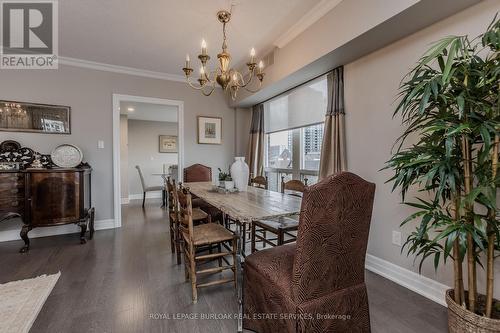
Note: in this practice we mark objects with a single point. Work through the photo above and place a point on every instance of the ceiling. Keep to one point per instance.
(155, 35)
(148, 111)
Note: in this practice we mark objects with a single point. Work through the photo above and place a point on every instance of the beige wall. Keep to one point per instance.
(89, 93)
(143, 150)
(371, 85)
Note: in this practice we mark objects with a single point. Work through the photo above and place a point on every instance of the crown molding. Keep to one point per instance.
(311, 17)
(120, 69)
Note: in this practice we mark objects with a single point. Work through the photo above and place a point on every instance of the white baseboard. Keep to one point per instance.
(420, 284)
(10, 235)
(125, 201)
(149, 195)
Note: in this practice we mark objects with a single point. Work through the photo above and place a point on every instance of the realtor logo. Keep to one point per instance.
(29, 34)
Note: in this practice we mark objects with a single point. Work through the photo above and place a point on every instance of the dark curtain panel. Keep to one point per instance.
(255, 151)
(333, 151)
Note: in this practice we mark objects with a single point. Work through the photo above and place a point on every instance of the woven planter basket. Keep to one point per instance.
(461, 320)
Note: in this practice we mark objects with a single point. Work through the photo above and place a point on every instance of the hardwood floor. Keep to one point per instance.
(127, 280)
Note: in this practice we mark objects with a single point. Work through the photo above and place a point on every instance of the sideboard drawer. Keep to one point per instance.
(11, 202)
(9, 180)
(12, 205)
(11, 176)
(12, 192)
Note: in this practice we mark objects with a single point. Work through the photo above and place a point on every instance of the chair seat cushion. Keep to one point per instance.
(286, 223)
(276, 265)
(153, 188)
(210, 233)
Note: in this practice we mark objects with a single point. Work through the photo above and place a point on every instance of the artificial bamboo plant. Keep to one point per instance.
(450, 106)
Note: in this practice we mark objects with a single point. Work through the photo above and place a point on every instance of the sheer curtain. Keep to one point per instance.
(333, 151)
(255, 151)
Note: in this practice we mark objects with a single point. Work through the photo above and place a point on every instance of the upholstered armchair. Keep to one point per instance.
(317, 284)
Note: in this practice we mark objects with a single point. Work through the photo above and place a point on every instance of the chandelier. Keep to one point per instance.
(13, 110)
(228, 78)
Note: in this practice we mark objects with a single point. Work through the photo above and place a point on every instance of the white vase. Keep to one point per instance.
(240, 173)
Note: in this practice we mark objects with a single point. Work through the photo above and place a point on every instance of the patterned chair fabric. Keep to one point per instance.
(317, 284)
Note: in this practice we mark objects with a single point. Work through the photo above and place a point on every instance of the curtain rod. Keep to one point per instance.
(301, 84)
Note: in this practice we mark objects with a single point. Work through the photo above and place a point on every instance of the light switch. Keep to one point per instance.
(396, 237)
(100, 144)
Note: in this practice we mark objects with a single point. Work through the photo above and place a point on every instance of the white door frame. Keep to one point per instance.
(117, 98)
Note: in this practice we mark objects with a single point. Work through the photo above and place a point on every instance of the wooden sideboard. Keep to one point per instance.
(48, 197)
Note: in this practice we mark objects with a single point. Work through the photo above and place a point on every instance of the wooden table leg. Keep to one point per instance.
(281, 237)
(24, 235)
(91, 223)
(253, 238)
(83, 227)
(244, 239)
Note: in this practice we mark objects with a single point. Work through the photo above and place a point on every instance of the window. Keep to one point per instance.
(311, 138)
(294, 133)
(280, 150)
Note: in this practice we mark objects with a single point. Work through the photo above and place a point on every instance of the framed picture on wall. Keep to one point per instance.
(209, 130)
(168, 144)
(32, 117)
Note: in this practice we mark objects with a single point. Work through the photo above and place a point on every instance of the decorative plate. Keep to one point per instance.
(67, 156)
(10, 145)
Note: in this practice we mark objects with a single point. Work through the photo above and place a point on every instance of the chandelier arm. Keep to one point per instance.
(210, 84)
(243, 85)
(210, 73)
(209, 92)
(194, 86)
(256, 90)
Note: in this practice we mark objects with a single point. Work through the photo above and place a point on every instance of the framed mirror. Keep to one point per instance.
(37, 118)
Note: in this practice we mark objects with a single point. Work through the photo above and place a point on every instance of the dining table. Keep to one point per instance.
(243, 207)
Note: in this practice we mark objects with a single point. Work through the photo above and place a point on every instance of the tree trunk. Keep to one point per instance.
(457, 263)
(471, 262)
(490, 270)
(459, 280)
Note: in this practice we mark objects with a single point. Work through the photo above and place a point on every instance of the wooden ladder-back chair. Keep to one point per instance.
(203, 235)
(201, 173)
(259, 181)
(198, 215)
(283, 228)
(172, 213)
(293, 185)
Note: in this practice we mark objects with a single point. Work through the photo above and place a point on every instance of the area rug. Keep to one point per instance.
(21, 301)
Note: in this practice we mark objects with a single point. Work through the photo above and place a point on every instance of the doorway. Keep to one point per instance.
(147, 147)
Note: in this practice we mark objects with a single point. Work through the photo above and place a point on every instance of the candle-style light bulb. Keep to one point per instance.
(203, 47)
(187, 60)
(252, 55)
(261, 66)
